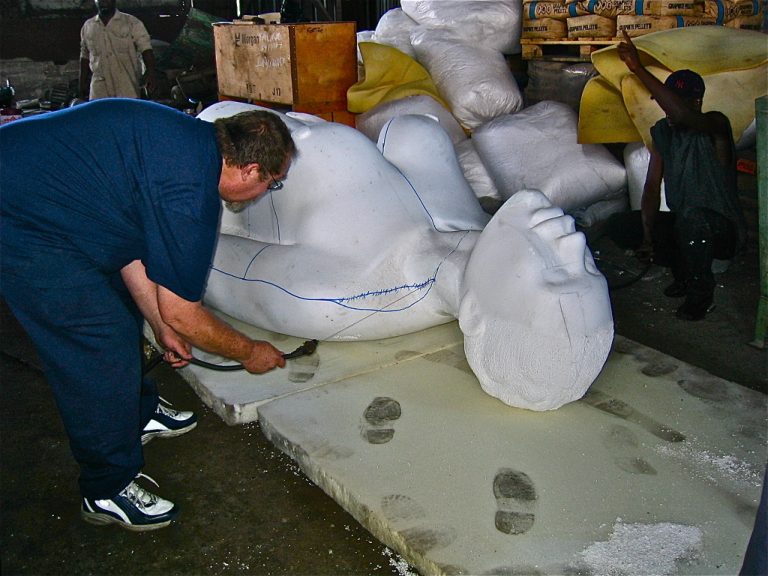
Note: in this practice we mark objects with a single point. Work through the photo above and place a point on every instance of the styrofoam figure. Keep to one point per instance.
(366, 242)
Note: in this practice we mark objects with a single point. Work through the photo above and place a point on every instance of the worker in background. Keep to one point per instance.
(693, 152)
(113, 46)
(118, 225)
(292, 11)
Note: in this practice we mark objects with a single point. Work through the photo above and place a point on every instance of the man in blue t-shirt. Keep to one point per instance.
(110, 215)
(693, 152)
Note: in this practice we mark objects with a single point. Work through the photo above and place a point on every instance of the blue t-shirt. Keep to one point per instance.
(87, 190)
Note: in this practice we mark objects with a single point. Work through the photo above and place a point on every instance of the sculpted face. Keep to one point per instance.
(535, 314)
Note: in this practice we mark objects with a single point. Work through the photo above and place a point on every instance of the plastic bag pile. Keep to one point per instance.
(447, 60)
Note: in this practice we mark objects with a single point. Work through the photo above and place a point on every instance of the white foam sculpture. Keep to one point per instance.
(370, 241)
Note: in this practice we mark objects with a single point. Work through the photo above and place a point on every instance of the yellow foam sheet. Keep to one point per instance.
(732, 62)
(607, 119)
(389, 75)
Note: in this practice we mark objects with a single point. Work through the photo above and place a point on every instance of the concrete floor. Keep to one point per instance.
(246, 508)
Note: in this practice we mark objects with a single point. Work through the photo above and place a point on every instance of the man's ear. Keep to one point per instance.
(252, 170)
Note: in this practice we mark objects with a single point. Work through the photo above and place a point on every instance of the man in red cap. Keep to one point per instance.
(693, 152)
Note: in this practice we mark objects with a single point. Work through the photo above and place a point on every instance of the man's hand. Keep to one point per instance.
(177, 350)
(628, 53)
(263, 358)
(150, 82)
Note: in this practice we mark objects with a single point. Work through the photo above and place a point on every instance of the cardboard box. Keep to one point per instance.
(308, 66)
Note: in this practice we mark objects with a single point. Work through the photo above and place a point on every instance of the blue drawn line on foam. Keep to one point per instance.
(341, 301)
(413, 188)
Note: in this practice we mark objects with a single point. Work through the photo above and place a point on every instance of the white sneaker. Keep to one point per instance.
(168, 423)
(133, 509)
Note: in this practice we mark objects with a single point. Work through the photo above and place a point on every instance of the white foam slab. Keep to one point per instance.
(657, 470)
(236, 396)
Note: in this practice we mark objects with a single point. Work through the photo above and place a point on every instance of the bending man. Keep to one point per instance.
(121, 217)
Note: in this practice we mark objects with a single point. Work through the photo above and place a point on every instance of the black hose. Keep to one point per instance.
(217, 367)
(305, 349)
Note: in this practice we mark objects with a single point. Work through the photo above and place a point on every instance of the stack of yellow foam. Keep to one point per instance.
(389, 75)
(616, 107)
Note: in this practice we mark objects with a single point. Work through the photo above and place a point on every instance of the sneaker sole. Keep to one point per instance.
(166, 433)
(104, 519)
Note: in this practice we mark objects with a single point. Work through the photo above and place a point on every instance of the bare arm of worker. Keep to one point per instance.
(144, 293)
(675, 107)
(649, 205)
(84, 83)
(204, 330)
(150, 81)
(177, 323)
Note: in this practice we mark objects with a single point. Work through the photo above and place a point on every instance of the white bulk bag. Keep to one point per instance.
(537, 148)
(394, 29)
(477, 175)
(476, 82)
(492, 24)
(636, 160)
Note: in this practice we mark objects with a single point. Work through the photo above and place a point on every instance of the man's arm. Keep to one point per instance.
(143, 44)
(144, 293)
(177, 323)
(676, 109)
(204, 330)
(150, 81)
(84, 83)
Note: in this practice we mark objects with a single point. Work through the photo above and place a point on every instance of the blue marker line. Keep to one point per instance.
(342, 301)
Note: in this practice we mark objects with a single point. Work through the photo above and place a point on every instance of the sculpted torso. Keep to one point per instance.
(367, 243)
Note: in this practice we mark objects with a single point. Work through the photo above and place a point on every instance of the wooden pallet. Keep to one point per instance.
(563, 50)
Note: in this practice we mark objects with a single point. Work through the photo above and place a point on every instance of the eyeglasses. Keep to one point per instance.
(275, 184)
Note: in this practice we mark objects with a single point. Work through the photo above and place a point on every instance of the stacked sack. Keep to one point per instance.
(462, 44)
(458, 74)
(579, 19)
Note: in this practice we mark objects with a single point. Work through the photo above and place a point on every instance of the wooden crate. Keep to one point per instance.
(308, 67)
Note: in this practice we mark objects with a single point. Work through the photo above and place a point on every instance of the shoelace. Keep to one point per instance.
(138, 495)
(161, 409)
(164, 407)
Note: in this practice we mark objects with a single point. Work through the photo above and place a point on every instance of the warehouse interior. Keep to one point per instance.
(250, 504)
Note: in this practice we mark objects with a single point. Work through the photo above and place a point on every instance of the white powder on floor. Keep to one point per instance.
(714, 466)
(643, 549)
(402, 567)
